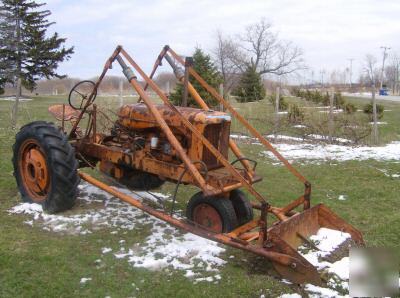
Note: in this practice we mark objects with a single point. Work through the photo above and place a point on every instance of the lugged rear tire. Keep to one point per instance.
(45, 167)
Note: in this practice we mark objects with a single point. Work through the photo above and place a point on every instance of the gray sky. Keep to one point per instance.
(328, 31)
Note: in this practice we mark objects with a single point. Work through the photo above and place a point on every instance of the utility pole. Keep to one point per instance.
(385, 49)
(331, 123)
(312, 78)
(375, 116)
(351, 70)
(322, 72)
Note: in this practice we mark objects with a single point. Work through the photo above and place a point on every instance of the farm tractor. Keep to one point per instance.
(151, 143)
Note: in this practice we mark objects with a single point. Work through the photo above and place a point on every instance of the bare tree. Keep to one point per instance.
(264, 51)
(392, 72)
(225, 57)
(259, 48)
(371, 69)
(373, 75)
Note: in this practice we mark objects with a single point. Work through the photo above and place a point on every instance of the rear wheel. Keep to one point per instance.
(45, 167)
(214, 213)
(242, 206)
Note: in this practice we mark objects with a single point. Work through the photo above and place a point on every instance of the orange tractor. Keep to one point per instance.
(151, 143)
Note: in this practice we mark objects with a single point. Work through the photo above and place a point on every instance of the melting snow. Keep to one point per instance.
(165, 247)
(12, 98)
(85, 279)
(326, 241)
(316, 152)
(105, 250)
(295, 295)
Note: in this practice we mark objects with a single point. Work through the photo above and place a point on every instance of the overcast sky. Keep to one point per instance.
(328, 31)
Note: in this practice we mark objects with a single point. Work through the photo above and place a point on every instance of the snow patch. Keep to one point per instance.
(313, 153)
(12, 98)
(105, 250)
(321, 292)
(85, 280)
(164, 248)
(326, 241)
(294, 295)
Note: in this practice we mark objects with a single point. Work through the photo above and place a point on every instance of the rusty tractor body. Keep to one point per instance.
(152, 143)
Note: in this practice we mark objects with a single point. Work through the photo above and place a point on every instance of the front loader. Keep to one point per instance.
(149, 144)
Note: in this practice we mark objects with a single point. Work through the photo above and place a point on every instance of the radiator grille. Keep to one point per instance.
(218, 136)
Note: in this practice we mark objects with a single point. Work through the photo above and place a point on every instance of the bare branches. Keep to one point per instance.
(266, 53)
(371, 69)
(226, 59)
(260, 48)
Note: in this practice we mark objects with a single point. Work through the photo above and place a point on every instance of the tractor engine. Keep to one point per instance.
(136, 121)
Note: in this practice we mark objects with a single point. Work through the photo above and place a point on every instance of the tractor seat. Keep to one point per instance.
(69, 112)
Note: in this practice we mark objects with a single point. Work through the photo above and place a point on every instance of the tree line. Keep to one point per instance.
(28, 53)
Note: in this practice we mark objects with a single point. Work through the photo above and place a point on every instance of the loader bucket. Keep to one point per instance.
(286, 236)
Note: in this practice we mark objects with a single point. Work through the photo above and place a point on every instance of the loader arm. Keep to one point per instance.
(276, 241)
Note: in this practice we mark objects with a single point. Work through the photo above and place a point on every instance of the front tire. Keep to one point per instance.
(213, 213)
(45, 167)
(242, 206)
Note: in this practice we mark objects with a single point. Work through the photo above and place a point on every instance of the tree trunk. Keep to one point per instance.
(375, 117)
(331, 98)
(14, 115)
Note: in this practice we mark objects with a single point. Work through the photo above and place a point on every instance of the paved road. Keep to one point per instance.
(368, 96)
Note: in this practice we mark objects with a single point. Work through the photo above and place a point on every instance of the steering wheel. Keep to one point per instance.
(80, 93)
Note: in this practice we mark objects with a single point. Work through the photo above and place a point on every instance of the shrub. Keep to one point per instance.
(368, 109)
(326, 99)
(295, 114)
(202, 63)
(250, 86)
(339, 100)
(349, 108)
(283, 105)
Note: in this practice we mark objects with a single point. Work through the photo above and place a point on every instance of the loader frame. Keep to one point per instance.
(275, 241)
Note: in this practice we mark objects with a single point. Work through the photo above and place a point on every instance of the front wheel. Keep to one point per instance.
(45, 167)
(213, 213)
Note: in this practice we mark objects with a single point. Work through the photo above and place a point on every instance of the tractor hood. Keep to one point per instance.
(138, 116)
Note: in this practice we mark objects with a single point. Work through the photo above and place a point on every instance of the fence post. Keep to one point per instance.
(221, 92)
(331, 104)
(375, 117)
(277, 110)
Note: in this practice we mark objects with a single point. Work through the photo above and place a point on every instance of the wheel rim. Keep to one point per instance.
(34, 171)
(208, 216)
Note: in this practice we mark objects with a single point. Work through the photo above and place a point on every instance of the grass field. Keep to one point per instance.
(39, 263)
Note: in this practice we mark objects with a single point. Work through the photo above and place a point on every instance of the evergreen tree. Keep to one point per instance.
(26, 53)
(250, 87)
(203, 65)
